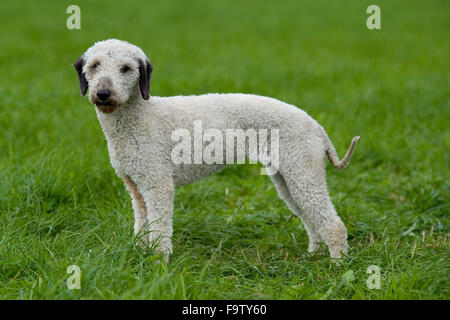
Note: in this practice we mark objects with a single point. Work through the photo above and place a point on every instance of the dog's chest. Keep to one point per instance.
(123, 151)
(123, 147)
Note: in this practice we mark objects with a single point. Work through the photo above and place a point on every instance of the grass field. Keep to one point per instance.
(61, 203)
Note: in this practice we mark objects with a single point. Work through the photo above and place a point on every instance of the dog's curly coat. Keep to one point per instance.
(138, 131)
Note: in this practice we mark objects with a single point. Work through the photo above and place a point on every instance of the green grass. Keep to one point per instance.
(61, 203)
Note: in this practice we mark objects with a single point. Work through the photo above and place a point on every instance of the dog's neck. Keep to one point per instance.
(121, 119)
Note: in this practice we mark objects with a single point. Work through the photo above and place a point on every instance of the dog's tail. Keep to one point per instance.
(333, 157)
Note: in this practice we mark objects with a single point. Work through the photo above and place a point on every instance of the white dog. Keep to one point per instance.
(139, 129)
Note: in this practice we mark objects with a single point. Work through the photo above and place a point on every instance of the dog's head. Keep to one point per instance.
(115, 72)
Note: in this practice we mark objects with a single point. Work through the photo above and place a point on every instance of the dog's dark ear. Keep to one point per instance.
(145, 73)
(81, 77)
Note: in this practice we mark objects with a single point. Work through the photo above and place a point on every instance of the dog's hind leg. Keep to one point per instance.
(283, 192)
(305, 177)
(315, 204)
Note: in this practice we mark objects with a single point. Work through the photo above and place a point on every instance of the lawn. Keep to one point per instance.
(61, 203)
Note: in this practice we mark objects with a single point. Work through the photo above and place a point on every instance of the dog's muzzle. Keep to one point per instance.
(103, 101)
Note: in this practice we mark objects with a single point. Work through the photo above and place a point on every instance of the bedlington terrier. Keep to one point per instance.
(139, 130)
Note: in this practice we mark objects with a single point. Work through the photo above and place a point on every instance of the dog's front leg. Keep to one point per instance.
(137, 200)
(159, 196)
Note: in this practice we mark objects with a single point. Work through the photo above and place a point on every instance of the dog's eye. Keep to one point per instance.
(125, 69)
(95, 65)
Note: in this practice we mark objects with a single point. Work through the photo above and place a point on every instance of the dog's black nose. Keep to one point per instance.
(103, 94)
